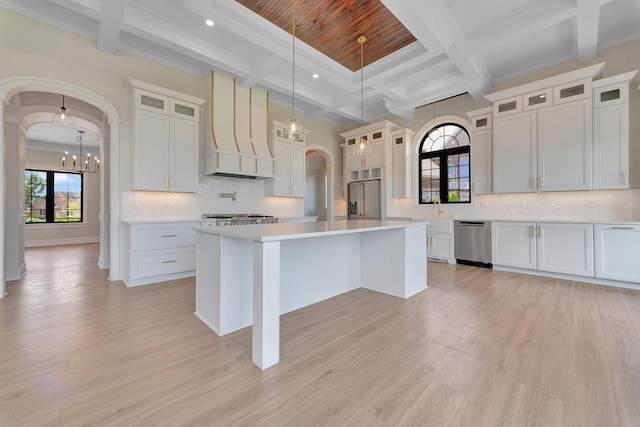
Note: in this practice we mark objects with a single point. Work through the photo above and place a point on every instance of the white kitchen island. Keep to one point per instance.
(249, 275)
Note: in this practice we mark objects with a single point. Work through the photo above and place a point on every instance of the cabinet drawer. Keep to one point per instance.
(162, 262)
(150, 237)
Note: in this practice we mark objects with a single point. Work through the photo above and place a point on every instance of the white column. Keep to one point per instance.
(266, 304)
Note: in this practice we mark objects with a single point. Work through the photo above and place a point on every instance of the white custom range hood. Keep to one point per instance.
(239, 129)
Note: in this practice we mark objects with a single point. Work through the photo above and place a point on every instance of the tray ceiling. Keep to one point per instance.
(417, 52)
(333, 27)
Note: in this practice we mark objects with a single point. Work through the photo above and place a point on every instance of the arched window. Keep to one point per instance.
(444, 168)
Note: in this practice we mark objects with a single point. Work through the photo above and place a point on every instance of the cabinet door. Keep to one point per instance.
(282, 154)
(566, 248)
(515, 153)
(354, 161)
(440, 246)
(401, 182)
(297, 168)
(513, 244)
(611, 147)
(185, 151)
(564, 146)
(616, 252)
(375, 159)
(151, 151)
(481, 162)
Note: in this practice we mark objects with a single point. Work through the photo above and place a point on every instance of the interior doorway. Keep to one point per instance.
(319, 181)
(10, 120)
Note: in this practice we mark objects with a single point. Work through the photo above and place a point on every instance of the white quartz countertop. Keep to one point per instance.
(555, 221)
(301, 230)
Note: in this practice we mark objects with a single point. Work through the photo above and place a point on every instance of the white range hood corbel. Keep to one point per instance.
(239, 130)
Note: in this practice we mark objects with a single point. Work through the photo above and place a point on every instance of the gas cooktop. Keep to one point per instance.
(241, 219)
(235, 215)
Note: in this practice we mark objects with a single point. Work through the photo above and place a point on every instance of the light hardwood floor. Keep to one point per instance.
(478, 348)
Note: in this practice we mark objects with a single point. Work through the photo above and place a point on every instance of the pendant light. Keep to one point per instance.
(292, 127)
(362, 147)
(62, 116)
(80, 164)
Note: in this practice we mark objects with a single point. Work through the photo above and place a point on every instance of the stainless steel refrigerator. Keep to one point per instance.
(364, 199)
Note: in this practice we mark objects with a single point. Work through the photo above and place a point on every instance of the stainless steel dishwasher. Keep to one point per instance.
(472, 242)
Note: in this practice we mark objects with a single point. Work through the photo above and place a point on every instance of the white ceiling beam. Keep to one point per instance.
(110, 24)
(407, 108)
(437, 29)
(536, 18)
(588, 20)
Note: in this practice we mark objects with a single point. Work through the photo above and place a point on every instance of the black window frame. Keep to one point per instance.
(50, 198)
(443, 156)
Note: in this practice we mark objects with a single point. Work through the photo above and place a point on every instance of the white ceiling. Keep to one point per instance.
(54, 136)
(462, 46)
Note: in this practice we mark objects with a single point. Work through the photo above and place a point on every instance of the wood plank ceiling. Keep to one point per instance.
(333, 26)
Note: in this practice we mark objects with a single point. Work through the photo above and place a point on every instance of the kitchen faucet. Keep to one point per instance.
(437, 205)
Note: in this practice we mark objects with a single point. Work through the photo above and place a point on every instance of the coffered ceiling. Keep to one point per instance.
(417, 51)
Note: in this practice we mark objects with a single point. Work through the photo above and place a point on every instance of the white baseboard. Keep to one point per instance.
(586, 279)
(56, 242)
(101, 263)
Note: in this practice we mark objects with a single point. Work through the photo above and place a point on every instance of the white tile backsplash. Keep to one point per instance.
(159, 205)
(598, 206)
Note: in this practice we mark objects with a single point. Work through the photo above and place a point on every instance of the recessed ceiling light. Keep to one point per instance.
(315, 76)
(209, 22)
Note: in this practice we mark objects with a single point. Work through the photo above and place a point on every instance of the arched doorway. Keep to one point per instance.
(319, 182)
(110, 182)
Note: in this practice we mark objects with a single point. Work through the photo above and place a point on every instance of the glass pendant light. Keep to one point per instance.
(293, 127)
(362, 147)
(62, 116)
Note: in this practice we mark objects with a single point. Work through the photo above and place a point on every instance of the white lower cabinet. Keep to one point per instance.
(566, 248)
(617, 252)
(552, 247)
(160, 252)
(513, 244)
(440, 240)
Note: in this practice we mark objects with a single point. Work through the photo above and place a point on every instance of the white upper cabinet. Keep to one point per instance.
(166, 139)
(612, 152)
(289, 157)
(378, 135)
(401, 162)
(481, 151)
(515, 153)
(542, 134)
(564, 146)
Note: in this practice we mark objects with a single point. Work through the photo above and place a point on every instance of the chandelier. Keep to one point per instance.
(362, 147)
(80, 163)
(293, 127)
